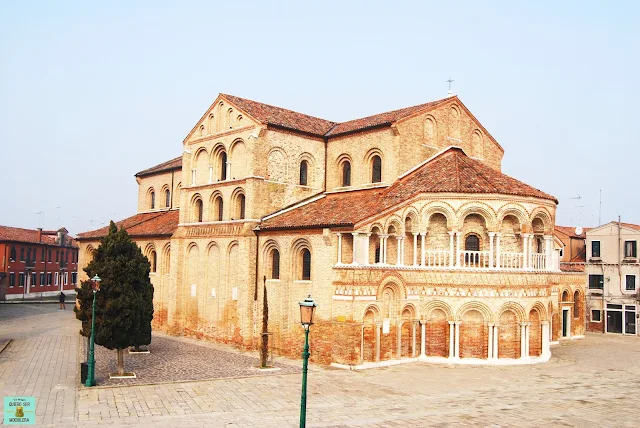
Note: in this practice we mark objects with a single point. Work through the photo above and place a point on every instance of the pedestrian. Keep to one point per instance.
(61, 299)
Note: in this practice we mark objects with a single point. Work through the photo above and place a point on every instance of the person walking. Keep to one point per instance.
(61, 299)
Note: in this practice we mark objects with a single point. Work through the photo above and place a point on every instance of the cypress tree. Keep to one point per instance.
(124, 304)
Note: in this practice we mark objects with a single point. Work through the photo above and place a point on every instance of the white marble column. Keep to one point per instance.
(423, 340)
(413, 338)
(354, 249)
(458, 249)
(400, 245)
(525, 247)
(527, 330)
(491, 235)
(383, 248)
(451, 259)
(548, 252)
(546, 351)
(423, 251)
(451, 340)
(339, 248)
(457, 339)
(523, 340)
(495, 341)
(498, 252)
(378, 327)
(415, 249)
(490, 342)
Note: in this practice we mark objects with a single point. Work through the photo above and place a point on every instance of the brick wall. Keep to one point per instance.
(437, 332)
(473, 335)
(535, 334)
(509, 335)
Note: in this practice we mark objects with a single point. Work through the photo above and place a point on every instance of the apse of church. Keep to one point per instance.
(400, 225)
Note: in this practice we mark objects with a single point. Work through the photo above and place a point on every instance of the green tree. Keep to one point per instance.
(124, 304)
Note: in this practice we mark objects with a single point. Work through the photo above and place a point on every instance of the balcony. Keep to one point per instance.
(363, 255)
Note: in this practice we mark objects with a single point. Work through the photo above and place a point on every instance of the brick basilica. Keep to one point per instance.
(401, 226)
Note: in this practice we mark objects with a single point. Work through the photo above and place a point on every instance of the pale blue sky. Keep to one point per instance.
(91, 93)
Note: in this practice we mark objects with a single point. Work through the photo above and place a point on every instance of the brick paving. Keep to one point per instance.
(588, 382)
(172, 360)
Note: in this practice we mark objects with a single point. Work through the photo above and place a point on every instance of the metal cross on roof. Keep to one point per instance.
(450, 81)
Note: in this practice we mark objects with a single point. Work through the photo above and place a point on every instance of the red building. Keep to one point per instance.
(36, 263)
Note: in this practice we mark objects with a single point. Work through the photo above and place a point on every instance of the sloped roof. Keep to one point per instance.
(161, 223)
(278, 116)
(570, 231)
(18, 234)
(169, 165)
(380, 119)
(451, 171)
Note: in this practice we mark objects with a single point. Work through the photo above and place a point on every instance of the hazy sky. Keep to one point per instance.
(91, 93)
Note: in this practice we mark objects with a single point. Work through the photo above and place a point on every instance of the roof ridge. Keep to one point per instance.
(472, 163)
(277, 107)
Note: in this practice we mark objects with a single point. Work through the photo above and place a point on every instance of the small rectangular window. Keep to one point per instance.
(595, 315)
(34, 277)
(630, 249)
(21, 254)
(12, 279)
(595, 248)
(631, 283)
(49, 278)
(57, 256)
(74, 277)
(49, 257)
(21, 279)
(596, 282)
(56, 278)
(42, 278)
(613, 306)
(43, 258)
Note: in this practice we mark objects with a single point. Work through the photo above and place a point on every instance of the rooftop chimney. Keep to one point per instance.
(39, 234)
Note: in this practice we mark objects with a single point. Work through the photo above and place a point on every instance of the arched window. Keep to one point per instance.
(565, 296)
(376, 169)
(303, 172)
(306, 265)
(472, 243)
(346, 173)
(153, 200)
(217, 206)
(576, 304)
(211, 124)
(240, 206)
(223, 166)
(12, 255)
(153, 259)
(199, 211)
(167, 198)
(275, 264)
(201, 130)
(377, 254)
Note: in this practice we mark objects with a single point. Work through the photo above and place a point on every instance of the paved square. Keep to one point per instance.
(593, 381)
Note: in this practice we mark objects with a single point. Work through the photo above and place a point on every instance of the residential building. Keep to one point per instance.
(401, 226)
(613, 274)
(36, 262)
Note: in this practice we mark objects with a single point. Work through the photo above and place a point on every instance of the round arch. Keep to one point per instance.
(433, 305)
(438, 208)
(515, 210)
(516, 308)
(538, 306)
(543, 215)
(477, 306)
(479, 208)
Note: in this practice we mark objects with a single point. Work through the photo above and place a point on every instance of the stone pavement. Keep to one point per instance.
(588, 382)
(170, 360)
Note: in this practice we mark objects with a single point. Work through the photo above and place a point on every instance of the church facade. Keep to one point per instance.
(401, 226)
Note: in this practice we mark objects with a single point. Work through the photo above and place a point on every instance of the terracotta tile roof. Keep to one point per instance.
(449, 172)
(164, 166)
(571, 231)
(631, 226)
(380, 119)
(571, 267)
(17, 234)
(277, 116)
(161, 223)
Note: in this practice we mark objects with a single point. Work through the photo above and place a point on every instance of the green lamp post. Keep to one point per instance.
(307, 308)
(92, 361)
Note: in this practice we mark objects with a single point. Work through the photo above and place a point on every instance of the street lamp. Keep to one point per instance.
(307, 308)
(95, 281)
